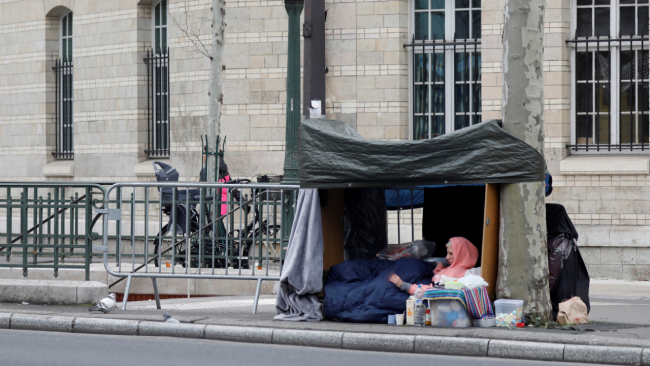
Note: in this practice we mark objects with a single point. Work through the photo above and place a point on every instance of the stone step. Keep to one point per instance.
(167, 286)
(52, 292)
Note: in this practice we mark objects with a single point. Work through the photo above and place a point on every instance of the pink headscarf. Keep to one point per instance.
(465, 257)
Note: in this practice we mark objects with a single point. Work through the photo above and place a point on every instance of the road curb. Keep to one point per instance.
(330, 339)
(106, 326)
(608, 355)
(310, 338)
(451, 346)
(530, 350)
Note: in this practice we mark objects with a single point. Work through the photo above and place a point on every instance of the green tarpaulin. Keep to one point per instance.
(332, 154)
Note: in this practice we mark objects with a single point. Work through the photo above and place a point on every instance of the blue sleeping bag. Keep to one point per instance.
(359, 291)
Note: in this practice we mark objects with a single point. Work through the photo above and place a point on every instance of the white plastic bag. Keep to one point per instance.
(472, 281)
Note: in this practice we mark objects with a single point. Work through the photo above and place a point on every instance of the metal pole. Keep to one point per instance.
(314, 55)
(294, 8)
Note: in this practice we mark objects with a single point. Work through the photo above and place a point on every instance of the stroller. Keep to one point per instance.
(216, 253)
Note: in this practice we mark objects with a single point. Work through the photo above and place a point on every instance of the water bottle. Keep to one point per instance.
(419, 293)
(420, 313)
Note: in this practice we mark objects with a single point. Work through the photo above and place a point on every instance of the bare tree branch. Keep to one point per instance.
(197, 45)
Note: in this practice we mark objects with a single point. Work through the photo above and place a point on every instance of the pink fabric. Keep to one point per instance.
(224, 196)
(465, 257)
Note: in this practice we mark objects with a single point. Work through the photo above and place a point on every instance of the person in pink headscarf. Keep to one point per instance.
(461, 255)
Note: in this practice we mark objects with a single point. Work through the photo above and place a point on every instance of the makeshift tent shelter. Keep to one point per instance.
(334, 156)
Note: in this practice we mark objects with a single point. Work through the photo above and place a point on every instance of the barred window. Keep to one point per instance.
(610, 76)
(64, 147)
(158, 85)
(445, 66)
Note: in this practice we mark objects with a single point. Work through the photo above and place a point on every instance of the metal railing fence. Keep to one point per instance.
(40, 223)
(194, 230)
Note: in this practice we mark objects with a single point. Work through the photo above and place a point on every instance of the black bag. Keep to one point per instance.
(568, 275)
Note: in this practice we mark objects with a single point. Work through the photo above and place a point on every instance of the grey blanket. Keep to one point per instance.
(302, 274)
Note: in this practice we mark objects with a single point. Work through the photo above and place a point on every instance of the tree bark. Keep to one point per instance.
(523, 259)
(216, 97)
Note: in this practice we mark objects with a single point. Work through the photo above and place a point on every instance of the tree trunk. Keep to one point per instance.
(216, 97)
(523, 260)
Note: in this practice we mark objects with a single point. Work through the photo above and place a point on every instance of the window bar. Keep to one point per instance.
(467, 82)
(629, 95)
(431, 87)
(414, 78)
(620, 98)
(454, 87)
(426, 115)
(609, 110)
(641, 79)
(589, 98)
(597, 103)
(167, 109)
(70, 112)
(148, 60)
(474, 65)
(433, 125)
(444, 82)
(64, 86)
(158, 103)
(434, 79)
(57, 108)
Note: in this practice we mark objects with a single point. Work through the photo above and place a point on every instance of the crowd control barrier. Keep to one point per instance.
(195, 230)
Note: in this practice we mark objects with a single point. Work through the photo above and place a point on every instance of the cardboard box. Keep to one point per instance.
(410, 311)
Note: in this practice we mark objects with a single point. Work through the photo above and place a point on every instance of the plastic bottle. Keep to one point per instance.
(420, 314)
(419, 293)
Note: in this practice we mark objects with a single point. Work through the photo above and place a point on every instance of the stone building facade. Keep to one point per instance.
(374, 83)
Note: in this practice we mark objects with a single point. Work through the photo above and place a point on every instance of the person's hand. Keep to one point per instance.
(396, 280)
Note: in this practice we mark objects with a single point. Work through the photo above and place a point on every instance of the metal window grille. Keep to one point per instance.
(157, 104)
(430, 90)
(64, 147)
(611, 105)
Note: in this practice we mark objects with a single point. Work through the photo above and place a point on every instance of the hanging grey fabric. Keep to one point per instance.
(302, 274)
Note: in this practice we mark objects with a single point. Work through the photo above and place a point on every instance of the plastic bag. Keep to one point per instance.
(472, 281)
(418, 249)
(559, 249)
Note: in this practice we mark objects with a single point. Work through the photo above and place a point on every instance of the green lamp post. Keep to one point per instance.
(294, 107)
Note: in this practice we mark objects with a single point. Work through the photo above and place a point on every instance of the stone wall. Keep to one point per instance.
(367, 87)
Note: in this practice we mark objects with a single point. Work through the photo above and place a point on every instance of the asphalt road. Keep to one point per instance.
(49, 349)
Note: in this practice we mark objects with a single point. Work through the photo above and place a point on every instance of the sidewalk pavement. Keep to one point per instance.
(620, 334)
